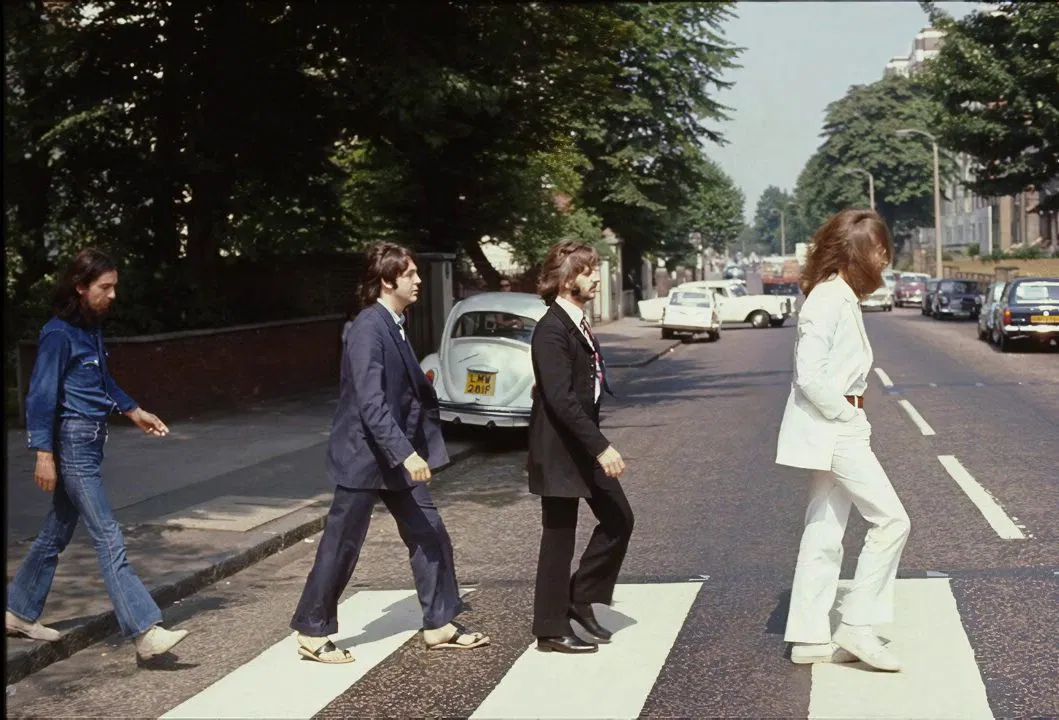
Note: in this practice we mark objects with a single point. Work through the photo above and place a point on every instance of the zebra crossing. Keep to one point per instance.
(941, 678)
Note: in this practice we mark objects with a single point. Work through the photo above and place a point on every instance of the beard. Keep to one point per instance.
(580, 294)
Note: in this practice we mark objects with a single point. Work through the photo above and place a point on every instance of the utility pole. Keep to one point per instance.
(937, 194)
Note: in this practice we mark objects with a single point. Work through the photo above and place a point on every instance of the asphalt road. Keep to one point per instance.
(703, 595)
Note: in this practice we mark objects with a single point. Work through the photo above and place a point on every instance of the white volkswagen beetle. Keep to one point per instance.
(482, 372)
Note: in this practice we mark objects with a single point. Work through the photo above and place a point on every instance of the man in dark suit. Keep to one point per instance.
(569, 458)
(385, 438)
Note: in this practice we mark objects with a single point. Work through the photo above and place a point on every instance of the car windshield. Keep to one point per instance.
(494, 324)
(690, 299)
(959, 286)
(1037, 292)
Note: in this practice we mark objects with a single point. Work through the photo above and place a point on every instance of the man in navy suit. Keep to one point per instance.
(385, 439)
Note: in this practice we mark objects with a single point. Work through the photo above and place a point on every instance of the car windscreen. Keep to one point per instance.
(958, 286)
(690, 299)
(494, 324)
(1031, 292)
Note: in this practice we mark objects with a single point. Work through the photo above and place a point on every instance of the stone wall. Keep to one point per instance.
(179, 375)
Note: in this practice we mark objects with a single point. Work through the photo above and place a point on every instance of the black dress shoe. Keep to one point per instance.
(565, 644)
(583, 615)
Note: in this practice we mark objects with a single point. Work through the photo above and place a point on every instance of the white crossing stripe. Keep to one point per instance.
(884, 378)
(278, 683)
(1004, 526)
(939, 678)
(920, 423)
(611, 683)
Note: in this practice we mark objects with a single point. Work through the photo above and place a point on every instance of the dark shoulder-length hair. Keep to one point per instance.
(82, 271)
(385, 263)
(563, 263)
(849, 242)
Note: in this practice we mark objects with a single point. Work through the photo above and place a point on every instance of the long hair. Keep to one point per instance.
(385, 263)
(564, 262)
(848, 242)
(82, 271)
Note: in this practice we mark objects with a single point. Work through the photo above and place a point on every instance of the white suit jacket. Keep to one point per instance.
(832, 358)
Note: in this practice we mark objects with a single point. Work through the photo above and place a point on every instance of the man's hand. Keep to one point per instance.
(44, 474)
(417, 467)
(611, 462)
(147, 422)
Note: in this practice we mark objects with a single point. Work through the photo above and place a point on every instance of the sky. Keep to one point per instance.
(798, 58)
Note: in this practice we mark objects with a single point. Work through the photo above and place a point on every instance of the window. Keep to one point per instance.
(494, 324)
(959, 286)
(737, 291)
(690, 299)
(1037, 292)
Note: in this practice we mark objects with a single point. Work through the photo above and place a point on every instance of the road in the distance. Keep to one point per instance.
(698, 430)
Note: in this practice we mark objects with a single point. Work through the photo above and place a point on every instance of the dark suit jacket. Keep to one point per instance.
(564, 435)
(386, 408)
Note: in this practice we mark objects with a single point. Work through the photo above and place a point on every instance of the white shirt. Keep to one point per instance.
(396, 318)
(577, 315)
(832, 359)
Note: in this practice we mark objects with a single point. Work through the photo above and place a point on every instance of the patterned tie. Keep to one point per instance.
(595, 350)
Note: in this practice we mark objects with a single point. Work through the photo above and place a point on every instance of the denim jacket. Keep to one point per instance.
(70, 380)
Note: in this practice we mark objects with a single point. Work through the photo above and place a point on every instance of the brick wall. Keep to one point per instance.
(178, 375)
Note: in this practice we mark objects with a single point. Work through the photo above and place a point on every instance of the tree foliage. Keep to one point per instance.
(179, 133)
(859, 132)
(997, 82)
(778, 215)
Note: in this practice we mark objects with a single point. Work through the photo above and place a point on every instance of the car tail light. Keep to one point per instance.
(430, 376)
(1007, 316)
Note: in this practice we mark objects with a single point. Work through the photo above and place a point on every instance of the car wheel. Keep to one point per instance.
(714, 335)
(1005, 343)
(760, 319)
(982, 334)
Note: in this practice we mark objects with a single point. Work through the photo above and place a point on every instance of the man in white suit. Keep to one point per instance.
(825, 430)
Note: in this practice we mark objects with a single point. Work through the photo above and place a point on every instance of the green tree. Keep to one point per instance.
(997, 82)
(644, 143)
(859, 132)
(777, 216)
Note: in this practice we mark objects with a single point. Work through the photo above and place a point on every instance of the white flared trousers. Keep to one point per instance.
(856, 478)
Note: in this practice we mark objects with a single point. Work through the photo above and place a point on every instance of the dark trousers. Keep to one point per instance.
(429, 553)
(595, 578)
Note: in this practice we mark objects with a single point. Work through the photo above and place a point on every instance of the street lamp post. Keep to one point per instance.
(937, 194)
(871, 184)
(783, 227)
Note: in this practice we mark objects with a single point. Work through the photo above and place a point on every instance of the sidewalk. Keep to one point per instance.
(631, 342)
(217, 495)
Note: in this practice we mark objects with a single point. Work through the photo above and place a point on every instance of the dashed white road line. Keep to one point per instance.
(1004, 526)
(884, 378)
(920, 423)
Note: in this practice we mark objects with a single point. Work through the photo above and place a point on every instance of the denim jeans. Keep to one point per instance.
(79, 493)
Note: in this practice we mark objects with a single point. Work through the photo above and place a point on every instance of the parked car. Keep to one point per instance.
(733, 272)
(736, 305)
(1028, 309)
(691, 311)
(928, 297)
(910, 289)
(881, 299)
(482, 372)
(955, 299)
(987, 315)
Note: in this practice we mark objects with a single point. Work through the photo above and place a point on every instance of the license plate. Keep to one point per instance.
(480, 383)
(1045, 319)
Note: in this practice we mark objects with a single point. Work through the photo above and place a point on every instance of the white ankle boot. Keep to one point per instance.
(158, 640)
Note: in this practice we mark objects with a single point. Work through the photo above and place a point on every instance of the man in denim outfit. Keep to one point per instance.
(71, 394)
